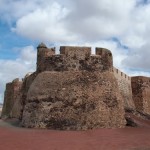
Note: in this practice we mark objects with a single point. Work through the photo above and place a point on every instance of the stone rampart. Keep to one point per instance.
(11, 95)
(124, 83)
(73, 58)
(141, 93)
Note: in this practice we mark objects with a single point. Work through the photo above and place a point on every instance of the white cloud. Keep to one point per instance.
(138, 32)
(11, 69)
(119, 53)
(45, 24)
(82, 22)
(11, 10)
(138, 58)
(130, 72)
(78, 20)
(89, 21)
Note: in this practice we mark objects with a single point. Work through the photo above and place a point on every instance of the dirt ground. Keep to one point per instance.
(16, 138)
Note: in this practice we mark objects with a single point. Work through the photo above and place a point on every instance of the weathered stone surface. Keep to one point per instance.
(17, 107)
(141, 93)
(74, 59)
(25, 87)
(43, 53)
(124, 83)
(11, 96)
(76, 100)
(15, 96)
(75, 90)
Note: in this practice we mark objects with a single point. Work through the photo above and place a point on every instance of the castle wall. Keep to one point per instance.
(43, 53)
(141, 93)
(75, 58)
(73, 100)
(26, 85)
(11, 95)
(124, 83)
(73, 91)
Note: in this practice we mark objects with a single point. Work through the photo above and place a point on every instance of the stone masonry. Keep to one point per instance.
(12, 106)
(141, 93)
(75, 90)
(124, 83)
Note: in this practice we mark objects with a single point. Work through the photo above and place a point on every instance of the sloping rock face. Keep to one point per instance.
(73, 91)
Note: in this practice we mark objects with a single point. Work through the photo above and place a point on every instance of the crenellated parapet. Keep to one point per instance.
(73, 59)
(124, 84)
(121, 75)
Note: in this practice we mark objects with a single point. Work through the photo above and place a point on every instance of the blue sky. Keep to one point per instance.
(122, 26)
(10, 40)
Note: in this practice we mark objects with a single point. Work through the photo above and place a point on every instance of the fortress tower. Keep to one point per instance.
(42, 53)
(10, 97)
(75, 90)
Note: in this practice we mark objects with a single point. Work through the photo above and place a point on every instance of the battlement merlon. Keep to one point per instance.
(80, 53)
(75, 58)
(106, 58)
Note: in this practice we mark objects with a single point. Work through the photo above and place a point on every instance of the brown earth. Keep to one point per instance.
(15, 138)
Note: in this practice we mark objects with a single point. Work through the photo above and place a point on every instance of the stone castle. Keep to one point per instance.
(75, 91)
